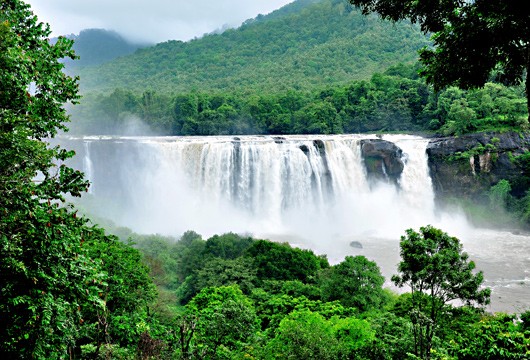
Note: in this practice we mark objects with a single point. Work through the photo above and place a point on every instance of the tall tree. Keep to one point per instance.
(437, 271)
(51, 282)
(42, 267)
(472, 39)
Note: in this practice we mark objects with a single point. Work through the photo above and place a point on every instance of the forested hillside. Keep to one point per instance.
(313, 66)
(97, 46)
(396, 100)
(304, 45)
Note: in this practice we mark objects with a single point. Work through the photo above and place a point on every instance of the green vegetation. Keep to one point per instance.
(329, 312)
(437, 272)
(500, 207)
(304, 45)
(69, 290)
(393, 101)
(472, 40)
(64, 283)
(98, 46)
(317, 67)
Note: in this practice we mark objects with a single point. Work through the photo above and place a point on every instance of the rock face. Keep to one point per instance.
(467, 166)
(382, 159)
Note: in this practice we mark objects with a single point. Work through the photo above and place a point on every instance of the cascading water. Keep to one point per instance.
(303, 187)
(87, 164)
(311, 191)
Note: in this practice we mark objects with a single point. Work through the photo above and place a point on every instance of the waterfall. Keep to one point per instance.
(87, 164)
(311, 191)
(297, 186)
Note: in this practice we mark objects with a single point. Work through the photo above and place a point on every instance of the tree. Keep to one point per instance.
(219, 272)
(226, 321)
(51, 280)
(43, 268)
(499, 194)
(128, 292)
(437, 271)
(355, 282)
(494, 337)
(227, 246)
(472, 39)
(304, 335)
(282, 262)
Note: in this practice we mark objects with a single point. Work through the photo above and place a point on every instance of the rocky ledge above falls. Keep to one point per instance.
(382, 159)
(467, 166)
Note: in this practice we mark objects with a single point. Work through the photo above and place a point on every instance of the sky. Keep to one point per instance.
(149, 20)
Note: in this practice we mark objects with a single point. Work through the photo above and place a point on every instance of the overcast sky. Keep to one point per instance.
(149, 20)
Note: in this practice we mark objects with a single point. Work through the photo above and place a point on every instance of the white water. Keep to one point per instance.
(87, 165)
(259, 185)
(270, 188)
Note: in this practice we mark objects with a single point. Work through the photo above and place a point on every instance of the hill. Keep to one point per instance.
(98, 46)
(304, 45)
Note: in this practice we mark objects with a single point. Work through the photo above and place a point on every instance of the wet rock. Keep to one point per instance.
(356, 245)
(321, 147)
(382, 159)
(467, 166)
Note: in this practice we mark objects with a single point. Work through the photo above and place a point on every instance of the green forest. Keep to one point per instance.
(311, 67)
(71, 290)
(392, 101)
(304, 45)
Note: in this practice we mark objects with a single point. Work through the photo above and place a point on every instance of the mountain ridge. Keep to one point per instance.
(98, 46)
(303, 45)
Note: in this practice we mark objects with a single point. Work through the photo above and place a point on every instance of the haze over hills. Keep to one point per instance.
(98, 46)
(304, 45)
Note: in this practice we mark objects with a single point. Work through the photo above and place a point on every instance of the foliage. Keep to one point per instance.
(393, 337)
(46, 275)
(65, 284)
(499, 194)
(301, 46)
(323, 78)
(494, 337)
(218, 272)
(392, 101)
(272, 308)
(226, 321)
(304, 335)
(308, 335)
(227, 246)
(437, 271)
(128, 292)
(355, 282)
(282, 262)
(471, 40)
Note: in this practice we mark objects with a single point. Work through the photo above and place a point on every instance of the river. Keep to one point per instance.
(312, 191)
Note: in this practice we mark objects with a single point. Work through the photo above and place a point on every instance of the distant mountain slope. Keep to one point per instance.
(98, 46)
(304, 45)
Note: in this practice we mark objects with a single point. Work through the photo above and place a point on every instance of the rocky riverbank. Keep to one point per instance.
(467, 166)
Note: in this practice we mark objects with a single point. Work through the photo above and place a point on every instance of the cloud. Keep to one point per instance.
(150, 20)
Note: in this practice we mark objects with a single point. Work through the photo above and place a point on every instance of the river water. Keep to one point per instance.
(312, 191)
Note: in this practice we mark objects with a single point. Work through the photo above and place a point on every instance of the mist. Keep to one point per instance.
(270, 188)
(152, 21)
(266, 187)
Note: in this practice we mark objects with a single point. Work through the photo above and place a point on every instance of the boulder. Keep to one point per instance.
(356, 245)
(382, 159)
